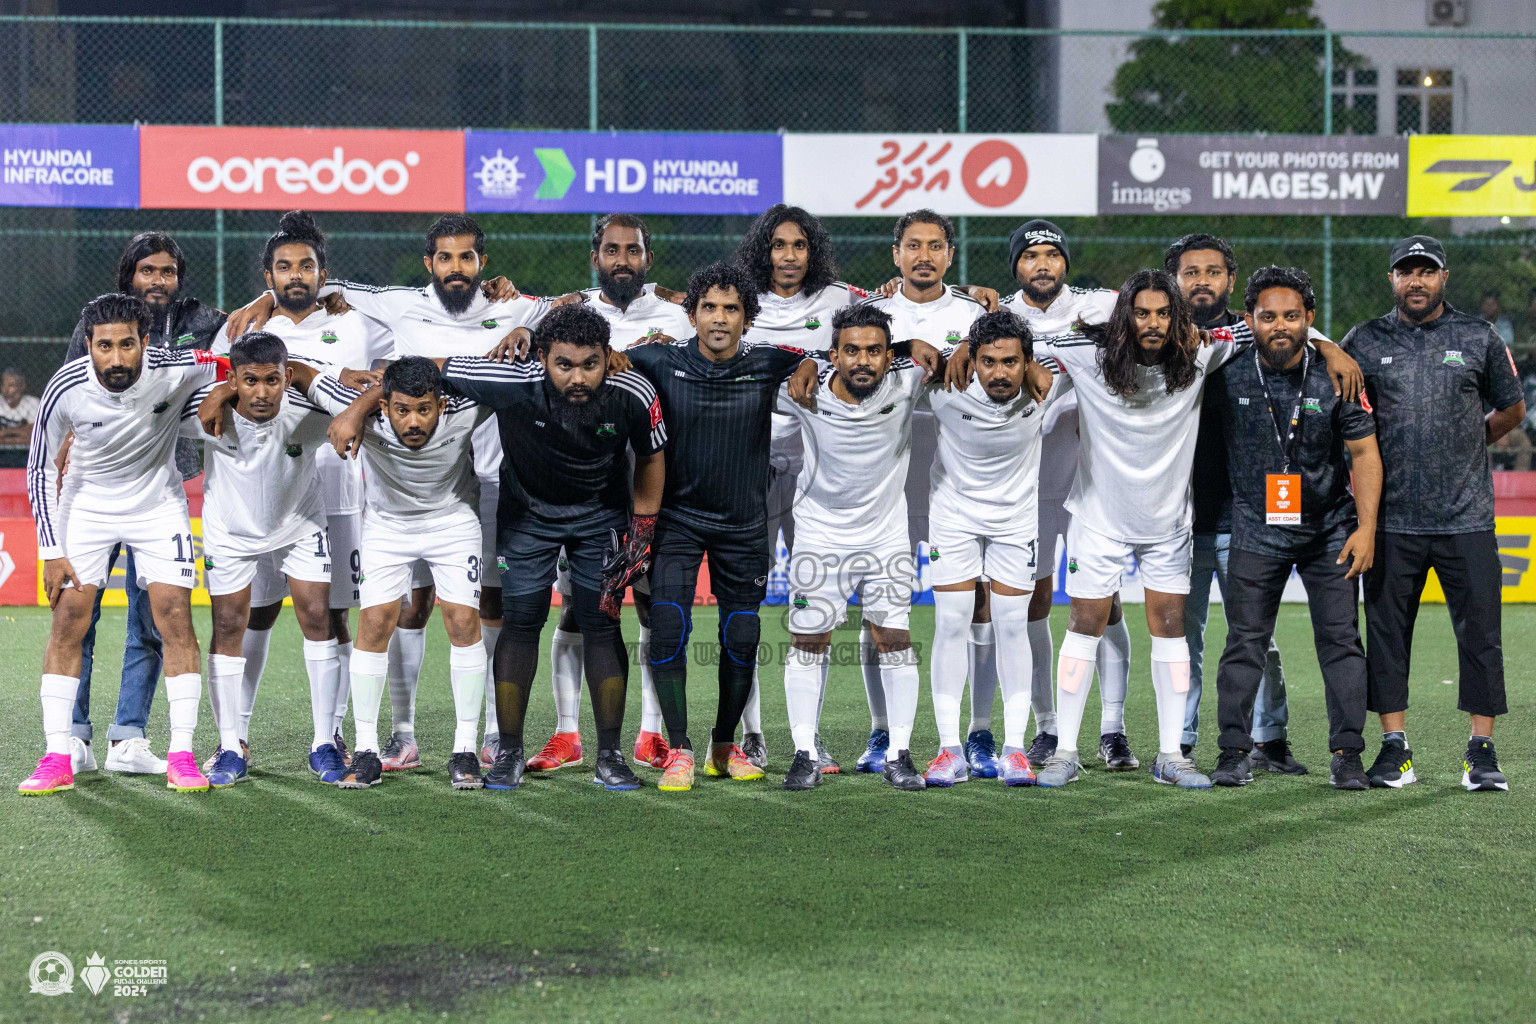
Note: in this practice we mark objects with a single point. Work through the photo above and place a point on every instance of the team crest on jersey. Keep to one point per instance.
(161, 407)
(329, 337)
(887, 409)
(185, 340)
(801, 601)
(293, 451)
(1453, 358)
(812, 323)
(607, 430)
(952, 336)
(489, 325)
(1310, 405)
(1071, 565)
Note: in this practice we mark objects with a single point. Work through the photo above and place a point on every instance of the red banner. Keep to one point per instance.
(208, 168)
(18, 561)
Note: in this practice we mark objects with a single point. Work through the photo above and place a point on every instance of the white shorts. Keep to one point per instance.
(1055, 521)
(344, 533)
(449, 545)
(957, 554)
(1096, 564)
(820, 584)
(306, 559)
(161, 539)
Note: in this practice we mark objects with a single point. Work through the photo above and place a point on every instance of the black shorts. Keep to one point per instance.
(528, 550)
(738, 563)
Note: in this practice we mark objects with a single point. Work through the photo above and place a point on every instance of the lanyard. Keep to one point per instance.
(1289, 440)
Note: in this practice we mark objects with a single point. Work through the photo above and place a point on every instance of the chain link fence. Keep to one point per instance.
(649, 77)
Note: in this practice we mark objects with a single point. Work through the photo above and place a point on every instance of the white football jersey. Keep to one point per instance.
(645, 316)
(987, 463)
(422, 327)
(942, 323)
(1058, 448)
(408, 483)
(122, 460)
(1136, 456)
(353, 341)
(261, 482)
(852, 486)
(801, 321)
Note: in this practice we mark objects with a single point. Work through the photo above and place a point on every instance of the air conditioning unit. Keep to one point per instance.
(1445, 13)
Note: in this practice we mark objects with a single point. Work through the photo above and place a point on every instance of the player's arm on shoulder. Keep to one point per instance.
(1342, 370)
(348, 424)
(988, 297)
(205, 410)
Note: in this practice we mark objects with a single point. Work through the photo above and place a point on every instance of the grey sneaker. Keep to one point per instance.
(1179, 771)
(755, 749)
(824, 759)
(1058, 771)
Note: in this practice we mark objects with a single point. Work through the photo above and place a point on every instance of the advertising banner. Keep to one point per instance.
(608, 172)
(19, 567)
(1472, 176)
(82, 165)
(1239, 174)
(205, 168)
(853, 175)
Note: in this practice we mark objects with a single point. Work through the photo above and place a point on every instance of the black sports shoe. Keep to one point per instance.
(612, 772)
(900, 774)
(506, 772)
(341, 748)
(803, 773)
(1480, 768)
(1041, 749)
(1275, 756)
(1188, 750)
(1115, 752)
(1393, 767)
(1233, 768)
(1346, 772)
(464, 771)
(824, 759)
(365, 770)
(755, 750)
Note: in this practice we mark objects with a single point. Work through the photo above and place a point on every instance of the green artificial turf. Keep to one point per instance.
(1115, 900)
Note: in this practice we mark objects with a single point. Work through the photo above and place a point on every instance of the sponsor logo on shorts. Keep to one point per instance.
(293, 451)
(489, 325)
(760, 581)
(161, 407)
(501, 563)
(1071, 565)
(207, 564)
(812, 323)
(933, 554)
(801, 601)
(189, 573)
(328, 337)
(1453, 358)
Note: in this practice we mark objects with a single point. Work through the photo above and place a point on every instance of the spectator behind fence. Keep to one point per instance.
(1492, 310)
(17, 408)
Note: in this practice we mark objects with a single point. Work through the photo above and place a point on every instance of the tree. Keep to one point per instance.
(1228, 83)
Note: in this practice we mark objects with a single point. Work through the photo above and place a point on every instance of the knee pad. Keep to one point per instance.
(671, 625)
(740, 632)
(523, 616)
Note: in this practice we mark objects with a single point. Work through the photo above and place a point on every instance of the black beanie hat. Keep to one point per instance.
(1036, 232)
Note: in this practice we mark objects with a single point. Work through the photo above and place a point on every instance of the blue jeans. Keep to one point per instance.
(1271, 715)
(142, 660)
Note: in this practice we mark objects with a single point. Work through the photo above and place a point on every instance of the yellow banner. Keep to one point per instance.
(1517, 537)
(1472, 176)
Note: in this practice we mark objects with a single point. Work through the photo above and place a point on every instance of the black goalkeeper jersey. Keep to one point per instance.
(718, 415)
(552, 471)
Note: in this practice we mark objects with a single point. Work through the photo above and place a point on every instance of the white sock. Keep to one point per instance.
(253, 648)
(466, 671)
(343, 685)
(802, 689)
(752, 714)
(898, 673)
(1074, 677)
(369, 669)
(183, 693)
(650, 707)
(488, 637)
(1010, 626)
(874, 688)
(565, 658)
(324, 672)
(1170, 682)
(1042, 687)
(224, 679)
(1114, 664)
(982, 667)
(947, 660)
(407, 648)
(58, 697)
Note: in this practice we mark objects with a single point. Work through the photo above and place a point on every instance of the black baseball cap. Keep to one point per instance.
(1418, 245)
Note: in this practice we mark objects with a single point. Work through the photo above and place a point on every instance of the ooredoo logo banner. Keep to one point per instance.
(864, 175)
(204, 168)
